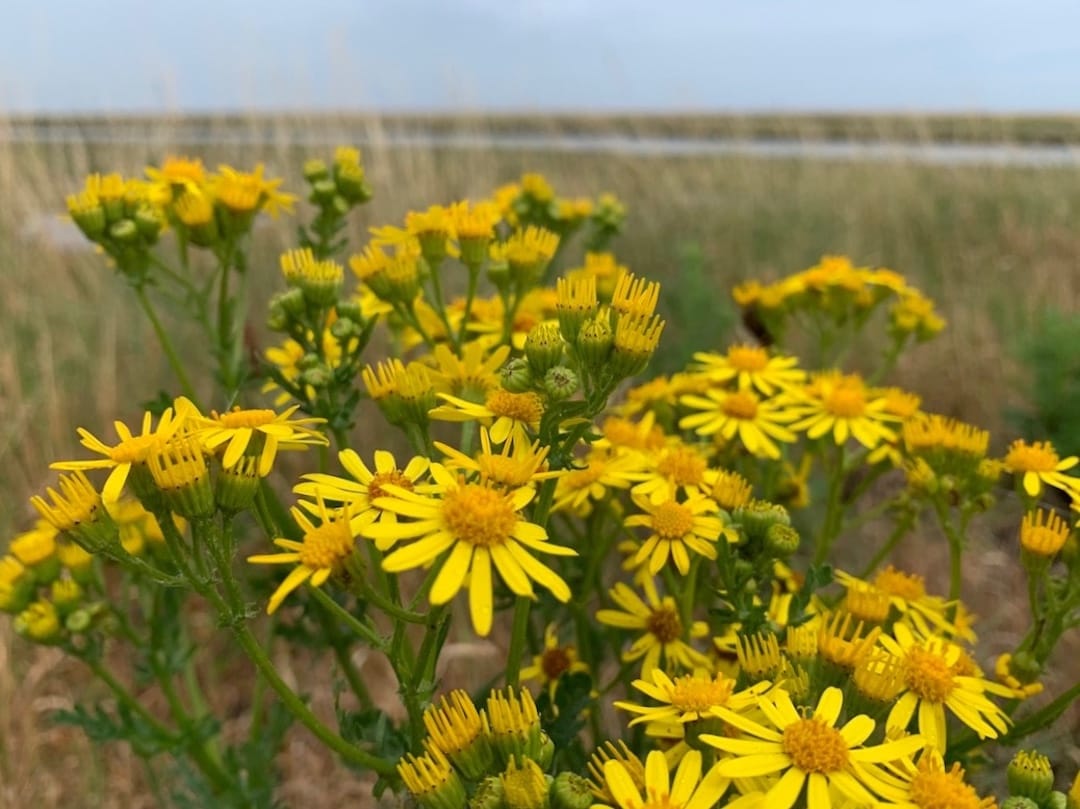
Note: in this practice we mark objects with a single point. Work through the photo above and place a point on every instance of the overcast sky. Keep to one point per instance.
(193, 55)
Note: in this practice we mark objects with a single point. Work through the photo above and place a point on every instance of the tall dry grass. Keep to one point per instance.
(992, 244)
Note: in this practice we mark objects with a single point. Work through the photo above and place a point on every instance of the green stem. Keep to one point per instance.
(166, 345)
(829, 527)
(519, 630)
(358, 627)
(340, 646)
(474, 274)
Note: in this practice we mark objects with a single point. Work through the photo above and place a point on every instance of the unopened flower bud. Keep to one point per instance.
(570, 791)
(781, 541)
(149, 222)
(758, 515)
(316, 170)
(1019, 802)
(489, 794)
(292, 301)
(560, 383)
(544, 347)
(595, 341)
(237, 486)
(124, 231)
(40, 623)
(524, 785)
(350, 310)
(1029, 775)
(516, 376)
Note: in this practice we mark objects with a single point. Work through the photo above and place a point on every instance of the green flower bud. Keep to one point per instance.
(39, 623)
(351, 182)
(594, 343)
(90, 220)
(277, 319)
(318, 377)
(124, 231)
(79, 621)
(323, 192)
(149, 222)
(570, 791)
(560, 383)
(1019, 802)
(489, 794)
(516, 376)
(781, 541)
(292, 301)
(66, 595)
(544, 347)
(343, 329)
(498, 272)
(524, 785)
(350, 310)
(315, 170)
(757, 515)
(1029, 775)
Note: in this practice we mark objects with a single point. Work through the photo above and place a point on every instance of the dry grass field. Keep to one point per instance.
(993, 245)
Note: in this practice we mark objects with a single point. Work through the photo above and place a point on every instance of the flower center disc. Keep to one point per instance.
(327, 546)
(393, 478)
(664, 624)
(740, 405)
(747, 358)
(672, 520)
(246, 418)
(932, 789)
(524, 407)
(134, 450)
(815, 747)
(897, 583)
(847, 403)
(478, 515)
(928, 674)
(699, 694)
(684, 466)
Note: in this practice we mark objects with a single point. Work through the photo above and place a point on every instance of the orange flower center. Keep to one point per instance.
(897, 583)
(672, 520)
(740, 405)
(134, 450)
(683, 466)
(523, 407)
(699, 694)
(846, 403)
(327, 546)
(392, 478)
(815, 747)
(478, 515)
(748, 358)
(580, 478)
(664, 623)
(237, 419)
(928, 674)
(936, 789)
(1037, 457)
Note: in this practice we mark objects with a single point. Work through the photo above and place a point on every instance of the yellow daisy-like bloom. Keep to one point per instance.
(613, 751)
(480, 526)
(176, 171)
(622, 435)
(844, 407)
(194, 208)
(1038, 465)
(244, 192)
(519, 463)
(470, 375)
(751, 367)
(287, 358)
(935, 680)
(675, 467)
(502, 411)
(323, 551)
(235, 430)
(35, 546)
(757, 423)
(553, 662)
(689, 697)
(580, 487)
(364, 486)
(928, 785)
(635, 296)
(730, 490)
(664, 633)
(927, 614)
(675, 530)
(1024, 689)
(688, 791)
(132, 450)
(811, 752)
(1043, 533)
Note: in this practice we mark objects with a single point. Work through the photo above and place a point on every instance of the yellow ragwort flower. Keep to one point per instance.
(481, 527)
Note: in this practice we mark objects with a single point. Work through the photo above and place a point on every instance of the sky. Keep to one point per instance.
(564, 55)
